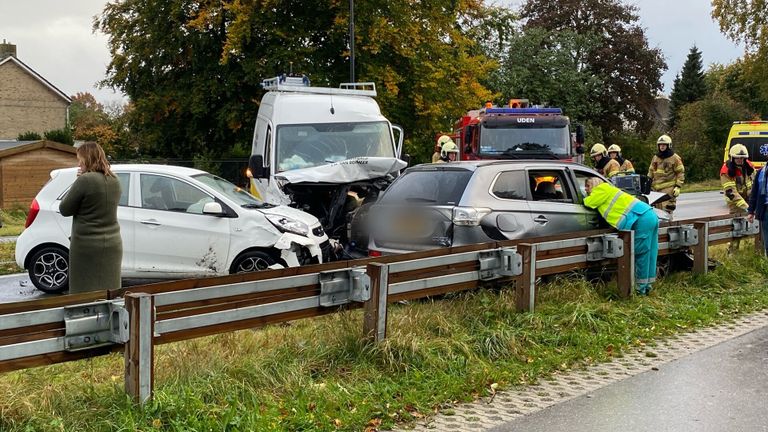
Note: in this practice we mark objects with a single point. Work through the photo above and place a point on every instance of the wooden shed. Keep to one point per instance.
(25, 166)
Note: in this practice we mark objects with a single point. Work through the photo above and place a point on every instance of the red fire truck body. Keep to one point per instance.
(516, 133)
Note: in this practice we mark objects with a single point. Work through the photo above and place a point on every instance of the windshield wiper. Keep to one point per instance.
(254, 205)
(527, 146)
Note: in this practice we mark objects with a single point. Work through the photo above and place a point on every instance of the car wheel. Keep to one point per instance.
(252, 261)
(49, 270)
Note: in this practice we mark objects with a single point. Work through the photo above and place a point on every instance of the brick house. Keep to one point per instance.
(28, 102)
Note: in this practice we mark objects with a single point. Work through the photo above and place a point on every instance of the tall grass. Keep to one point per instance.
(318, 374)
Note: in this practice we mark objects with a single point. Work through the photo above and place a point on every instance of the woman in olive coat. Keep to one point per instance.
(96, 249)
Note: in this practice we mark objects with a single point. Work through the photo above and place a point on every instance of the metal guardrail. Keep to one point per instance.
(67, 328)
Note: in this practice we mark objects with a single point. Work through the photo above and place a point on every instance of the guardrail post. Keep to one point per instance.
(759, 240)
(139, 351)
(625, 275)
(375, 315)
(701, 249)
(526, 291)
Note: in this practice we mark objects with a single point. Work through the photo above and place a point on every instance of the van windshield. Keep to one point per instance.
(311, 145)
(757, 146)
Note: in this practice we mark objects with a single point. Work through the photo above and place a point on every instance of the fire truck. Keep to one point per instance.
(517, 132)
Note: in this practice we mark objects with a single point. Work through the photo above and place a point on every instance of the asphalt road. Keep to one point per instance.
(723, 388)
(690, 205)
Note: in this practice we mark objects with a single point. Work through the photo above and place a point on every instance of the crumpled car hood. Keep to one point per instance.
(292, 213)
(346, 171)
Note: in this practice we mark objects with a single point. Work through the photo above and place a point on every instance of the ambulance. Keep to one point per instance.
(754, 135)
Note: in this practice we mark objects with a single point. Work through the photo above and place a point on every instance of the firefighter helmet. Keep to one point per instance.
(448, 147)
(598, 149)
(614, 148)
(739, 151)
(443, 139)
(664, 139)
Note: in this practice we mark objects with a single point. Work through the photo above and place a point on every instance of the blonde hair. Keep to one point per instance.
(94, 159)
(593, 181)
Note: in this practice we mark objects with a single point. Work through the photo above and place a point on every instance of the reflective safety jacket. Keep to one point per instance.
(627, 167)
(610, 169)
(736, 185)
(617, 207)
(666, 173)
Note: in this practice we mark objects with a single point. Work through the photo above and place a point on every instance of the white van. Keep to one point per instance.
(327, 151)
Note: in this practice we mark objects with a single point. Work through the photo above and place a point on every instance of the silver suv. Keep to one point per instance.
(455, 204)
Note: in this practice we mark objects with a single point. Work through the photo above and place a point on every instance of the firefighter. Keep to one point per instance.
(449, 152)
(625, 166)
(667, 173)
(439, 146)
(603, 164)
(736, 177)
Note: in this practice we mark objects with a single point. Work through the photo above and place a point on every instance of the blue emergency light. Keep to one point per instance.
(558, 111)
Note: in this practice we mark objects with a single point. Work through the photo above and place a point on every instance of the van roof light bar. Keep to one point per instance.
(301, 85)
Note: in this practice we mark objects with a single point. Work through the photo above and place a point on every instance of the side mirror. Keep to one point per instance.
(407, 159)
(213, 209)
(400, 136)
(256, 166)
(580, 134)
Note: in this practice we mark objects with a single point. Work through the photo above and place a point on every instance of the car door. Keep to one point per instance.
(172, 236)
(591, 217)
(511, 214)
(555, 205)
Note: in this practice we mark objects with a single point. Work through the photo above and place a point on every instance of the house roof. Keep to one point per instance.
(8, 148)
(37, 76)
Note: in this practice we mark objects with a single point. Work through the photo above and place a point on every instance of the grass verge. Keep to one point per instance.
(13, 222)
(318, 375)
(703, 186)
(8, 259)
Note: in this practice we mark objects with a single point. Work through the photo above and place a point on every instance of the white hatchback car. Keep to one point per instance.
(175, 222)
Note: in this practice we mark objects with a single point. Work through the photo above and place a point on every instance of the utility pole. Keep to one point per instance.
(351, 40)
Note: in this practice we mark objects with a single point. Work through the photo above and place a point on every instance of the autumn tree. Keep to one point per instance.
(192, 69)
(689, 85)
(629, 69)
(746, 21)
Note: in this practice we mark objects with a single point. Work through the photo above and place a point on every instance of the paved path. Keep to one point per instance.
(686, 383)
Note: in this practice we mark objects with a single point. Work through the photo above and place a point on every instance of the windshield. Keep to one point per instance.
(310, 145)
(428, 187)
(756, 146)
(511, 138)
(235, 193)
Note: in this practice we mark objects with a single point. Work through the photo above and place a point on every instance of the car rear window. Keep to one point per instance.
(428, 187)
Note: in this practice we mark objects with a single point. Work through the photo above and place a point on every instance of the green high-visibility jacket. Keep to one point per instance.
(612, 203)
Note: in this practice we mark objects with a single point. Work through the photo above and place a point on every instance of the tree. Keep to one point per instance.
(192, 69)
(732, 80)
(747, 21)
(689, 86)
(629, 69)
(547, 67)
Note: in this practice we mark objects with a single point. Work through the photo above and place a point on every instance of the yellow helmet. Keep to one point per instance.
(598, 149)
(664, 139)
(738, 151)
(449, 147)
(614, 148)
(443, 139)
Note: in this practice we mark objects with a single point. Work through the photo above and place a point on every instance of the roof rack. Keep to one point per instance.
(301, 85)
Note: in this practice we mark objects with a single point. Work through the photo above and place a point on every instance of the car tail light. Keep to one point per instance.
(374, 253)
(34, 209)
(469, 216)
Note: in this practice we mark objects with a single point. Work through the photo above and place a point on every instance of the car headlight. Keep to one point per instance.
(286, 224)
(469, 216)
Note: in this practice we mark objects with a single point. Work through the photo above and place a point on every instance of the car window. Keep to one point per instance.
(166, 193)
(581, 178)
(428, 187)
(125, 180)
(549, 185)
(510, 185)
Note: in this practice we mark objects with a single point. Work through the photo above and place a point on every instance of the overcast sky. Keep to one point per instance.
(54, 38)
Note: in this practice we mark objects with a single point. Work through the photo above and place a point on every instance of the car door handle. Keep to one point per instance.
(541, 219)
(152, 222)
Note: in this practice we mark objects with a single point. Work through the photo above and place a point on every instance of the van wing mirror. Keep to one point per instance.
(400, 136)
(256, 167)
(580, 134)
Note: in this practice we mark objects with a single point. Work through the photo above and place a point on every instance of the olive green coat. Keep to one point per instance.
(96, 249)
